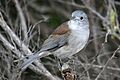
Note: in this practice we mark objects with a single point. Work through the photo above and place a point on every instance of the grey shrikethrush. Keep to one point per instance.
(68, 39)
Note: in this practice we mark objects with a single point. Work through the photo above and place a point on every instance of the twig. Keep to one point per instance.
(106, 36)
(99, 66)
(69, 3)
(22, 19)
(13, 35)
(117, 2)
(104, 67)
(95, 12)
(17, 52)
(9, 46)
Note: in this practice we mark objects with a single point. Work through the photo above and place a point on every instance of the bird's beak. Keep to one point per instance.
(72, 18)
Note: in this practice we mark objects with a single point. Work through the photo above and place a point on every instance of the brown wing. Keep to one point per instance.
(57, 39)
(62, 29)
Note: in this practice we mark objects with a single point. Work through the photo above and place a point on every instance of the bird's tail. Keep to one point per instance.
(30, 60)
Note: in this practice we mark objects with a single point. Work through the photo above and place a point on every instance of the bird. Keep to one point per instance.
(66, 40)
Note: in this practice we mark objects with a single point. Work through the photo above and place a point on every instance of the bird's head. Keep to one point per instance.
(78, 20)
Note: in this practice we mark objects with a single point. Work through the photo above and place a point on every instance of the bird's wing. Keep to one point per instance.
(57, 39)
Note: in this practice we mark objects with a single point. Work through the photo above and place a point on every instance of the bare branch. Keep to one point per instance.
(100, 66)
(17, 52)
(104, 67)
(22, 19)
(25, 49)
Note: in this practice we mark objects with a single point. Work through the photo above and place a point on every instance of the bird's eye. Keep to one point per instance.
(81, 18)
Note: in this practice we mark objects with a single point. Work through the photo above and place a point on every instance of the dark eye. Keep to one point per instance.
(81, 18)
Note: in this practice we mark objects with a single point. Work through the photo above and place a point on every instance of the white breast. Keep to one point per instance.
(76, 41)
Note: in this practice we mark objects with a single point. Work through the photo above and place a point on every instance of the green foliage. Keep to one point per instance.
(112, 17)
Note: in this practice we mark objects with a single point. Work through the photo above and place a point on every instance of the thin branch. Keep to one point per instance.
(13, 35)
(104, 67)
(69, 3)
(22, 19)
(117, 2)
(100, 66)
(95, 12)
(17, 52)
(9, 46)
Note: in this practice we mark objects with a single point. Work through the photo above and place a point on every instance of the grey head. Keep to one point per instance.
(79, 18)
(79, 13)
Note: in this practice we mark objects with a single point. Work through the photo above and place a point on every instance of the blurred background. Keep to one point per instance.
(32, 21)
